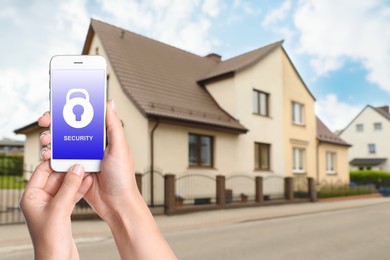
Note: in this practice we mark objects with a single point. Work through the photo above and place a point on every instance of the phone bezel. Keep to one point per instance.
(78, 62)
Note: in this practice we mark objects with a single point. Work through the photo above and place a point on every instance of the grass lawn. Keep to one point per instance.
(12, 182)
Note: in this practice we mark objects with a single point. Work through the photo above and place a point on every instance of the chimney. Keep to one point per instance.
(384, 108)
(214, 57)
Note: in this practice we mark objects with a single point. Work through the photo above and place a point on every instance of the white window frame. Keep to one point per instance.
(298, 117)
(260, 103)
(371, 148)
(299, 160)
(359, 128)
(330, 162)
(378, 126)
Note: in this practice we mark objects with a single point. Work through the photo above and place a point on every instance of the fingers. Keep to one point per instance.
(40, 176)
(45, 138)
(85, 185)
(70, 187)
(45, 153)
(44, 120)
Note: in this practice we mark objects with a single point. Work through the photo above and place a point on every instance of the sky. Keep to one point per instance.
(341, 48)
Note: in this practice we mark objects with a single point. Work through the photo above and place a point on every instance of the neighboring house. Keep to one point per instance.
(32, 146)
(332, 154)
(11, 147)
(369, 135)
(183, 113)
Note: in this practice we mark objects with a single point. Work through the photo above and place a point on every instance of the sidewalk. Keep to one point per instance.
(16, 238)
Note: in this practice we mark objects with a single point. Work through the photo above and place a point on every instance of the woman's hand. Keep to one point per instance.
(47, 205)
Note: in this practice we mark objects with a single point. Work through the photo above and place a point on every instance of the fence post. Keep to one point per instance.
(169, 193)
(259, 189)
(221, 191)
(289, 188)
(312, 189)
(138, 179)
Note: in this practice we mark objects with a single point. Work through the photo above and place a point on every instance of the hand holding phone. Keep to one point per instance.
(78, 110)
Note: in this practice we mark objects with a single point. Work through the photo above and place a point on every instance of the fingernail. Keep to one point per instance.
(77, 169)
(42, 134)
(113, 105)
(43, 151)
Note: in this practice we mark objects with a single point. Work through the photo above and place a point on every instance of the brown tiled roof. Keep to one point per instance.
(327, 136)
(242, 61)
(161, 80)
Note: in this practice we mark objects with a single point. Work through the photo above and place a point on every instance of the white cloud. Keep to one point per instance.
(31, 34)
(211, 7)
(333, 32)
(277, 14)
(335, 114)
(184, 24)
(272, 21)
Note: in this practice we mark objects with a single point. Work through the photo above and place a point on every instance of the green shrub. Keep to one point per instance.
(11, 165)
(12, 182)
(378, 178)
(331, 191)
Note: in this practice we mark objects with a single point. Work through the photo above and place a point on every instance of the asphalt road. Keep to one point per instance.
(359, 233)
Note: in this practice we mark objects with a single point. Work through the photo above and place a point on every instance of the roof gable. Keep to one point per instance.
(240, 62)
(380, 110)
(160, 79)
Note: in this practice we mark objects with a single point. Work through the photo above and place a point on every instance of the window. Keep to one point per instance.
(297, 113)
(262, 156)
(359, 127)
(298, 160)
(377, 126)
(200, 150)
(260, 103)
(371, 149)
(330, 162)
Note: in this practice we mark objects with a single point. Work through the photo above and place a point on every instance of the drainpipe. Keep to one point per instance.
(317, 164)
(152, 162)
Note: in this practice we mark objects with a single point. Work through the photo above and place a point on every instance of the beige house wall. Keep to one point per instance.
(235, 96)
(135, 124)
(301, 136)
(341, 173)
(32, 151)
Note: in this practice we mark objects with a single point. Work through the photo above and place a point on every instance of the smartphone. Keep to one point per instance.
(78, 111)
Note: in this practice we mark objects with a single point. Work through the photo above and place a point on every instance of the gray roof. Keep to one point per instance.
(367, 162)
(11, 143)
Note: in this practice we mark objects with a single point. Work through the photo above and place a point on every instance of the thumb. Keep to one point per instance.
(115, 132)
(68, 191)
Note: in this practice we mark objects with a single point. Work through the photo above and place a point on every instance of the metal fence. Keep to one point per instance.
(195, 189)
(12, 186)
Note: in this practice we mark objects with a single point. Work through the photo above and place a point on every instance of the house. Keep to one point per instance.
(369, 135)
(332, 154)
(184, 113)
(11, 147)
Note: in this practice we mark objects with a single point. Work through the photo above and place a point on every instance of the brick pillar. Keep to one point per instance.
(259, 189)
(221, 191)
(169, 193)
(289, 188)
(312, 189)
(138, 179)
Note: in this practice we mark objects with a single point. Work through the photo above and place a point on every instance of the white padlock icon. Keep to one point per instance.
(78, 111)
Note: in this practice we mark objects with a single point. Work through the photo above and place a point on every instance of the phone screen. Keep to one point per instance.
(78, 100)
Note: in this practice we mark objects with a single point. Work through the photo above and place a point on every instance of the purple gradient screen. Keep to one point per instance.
(93, 82)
